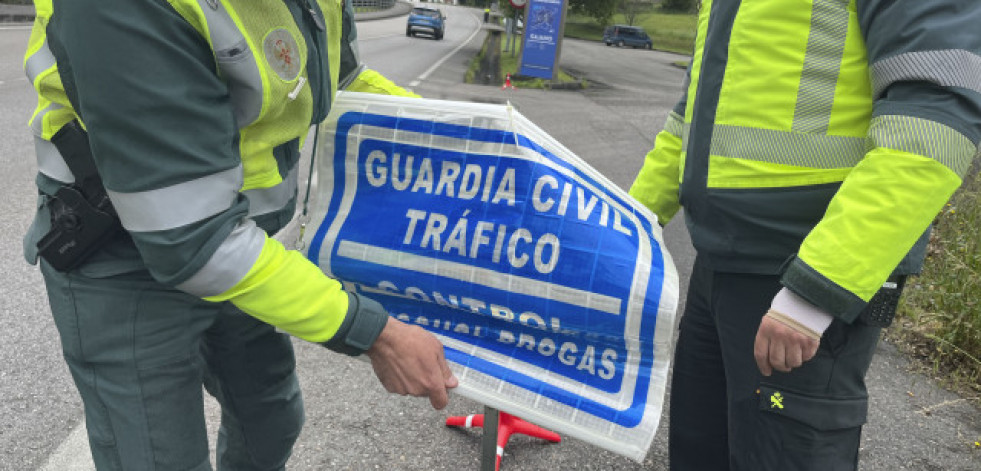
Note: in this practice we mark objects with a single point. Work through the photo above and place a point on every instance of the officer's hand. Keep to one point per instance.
(789, 333)
(409, 360)
(782, 348)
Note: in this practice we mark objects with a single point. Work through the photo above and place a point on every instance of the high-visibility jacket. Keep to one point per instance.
(196, 112)
(819, 138)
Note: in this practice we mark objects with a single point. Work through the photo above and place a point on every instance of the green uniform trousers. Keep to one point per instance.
(725, 415)
(139, 353)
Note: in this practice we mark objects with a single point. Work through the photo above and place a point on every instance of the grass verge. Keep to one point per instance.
(474, 68)
(672, 32)
(509, 65)
(940, 317)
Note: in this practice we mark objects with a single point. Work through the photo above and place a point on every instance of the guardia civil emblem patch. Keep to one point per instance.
(282, 54)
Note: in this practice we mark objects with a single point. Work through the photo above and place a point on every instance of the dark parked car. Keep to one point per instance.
(426, 20)
(623, 35)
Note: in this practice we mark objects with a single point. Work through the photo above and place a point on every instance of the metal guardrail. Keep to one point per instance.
(18, 13)
(361, 6)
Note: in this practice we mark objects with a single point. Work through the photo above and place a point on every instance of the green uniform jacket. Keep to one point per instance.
(196, 112)
(819, 138)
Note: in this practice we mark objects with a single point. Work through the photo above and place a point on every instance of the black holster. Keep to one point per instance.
(82, 217)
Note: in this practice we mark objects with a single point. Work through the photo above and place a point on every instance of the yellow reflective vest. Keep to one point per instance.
(819, 138)
(196, 112)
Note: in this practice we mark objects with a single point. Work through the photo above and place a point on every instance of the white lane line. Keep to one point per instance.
(431, 69)
(14, 28)
(73, 454)
(18, 79)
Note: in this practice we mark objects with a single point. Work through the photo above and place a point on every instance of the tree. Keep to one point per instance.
(600, 10)
(631, 9)
(678, 5)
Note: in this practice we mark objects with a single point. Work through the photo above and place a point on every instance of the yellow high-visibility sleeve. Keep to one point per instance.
(881, 209)
(370, 81)
(656, 185)
(288, 291)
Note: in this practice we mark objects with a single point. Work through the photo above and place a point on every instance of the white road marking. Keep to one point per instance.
(73, 454)
(425, 75)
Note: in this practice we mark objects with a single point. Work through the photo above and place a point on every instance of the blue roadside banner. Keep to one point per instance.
(541, 41)
(549, 286)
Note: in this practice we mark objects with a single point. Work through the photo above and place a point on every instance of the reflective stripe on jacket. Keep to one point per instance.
(820, 137)
(196, 112)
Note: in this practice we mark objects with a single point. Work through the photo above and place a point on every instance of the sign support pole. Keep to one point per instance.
(488, 443)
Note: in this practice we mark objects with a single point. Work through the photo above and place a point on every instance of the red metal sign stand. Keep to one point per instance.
(502, 428)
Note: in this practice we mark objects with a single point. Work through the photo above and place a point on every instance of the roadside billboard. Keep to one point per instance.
(542, 38)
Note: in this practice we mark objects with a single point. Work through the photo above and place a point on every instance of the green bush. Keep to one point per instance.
(941, 312)
(680, 6)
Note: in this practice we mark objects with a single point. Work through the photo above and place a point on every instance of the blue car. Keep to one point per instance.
(426, 20)
(623, 35)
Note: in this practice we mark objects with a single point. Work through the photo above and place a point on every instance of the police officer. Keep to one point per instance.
(815, 143)
(168, 136)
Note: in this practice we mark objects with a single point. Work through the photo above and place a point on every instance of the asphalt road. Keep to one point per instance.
(352, 424)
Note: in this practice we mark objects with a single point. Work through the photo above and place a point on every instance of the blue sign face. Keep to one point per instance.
(545, 282)
(541, 38)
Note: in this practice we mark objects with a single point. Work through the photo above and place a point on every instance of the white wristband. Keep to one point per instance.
(797, 308)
